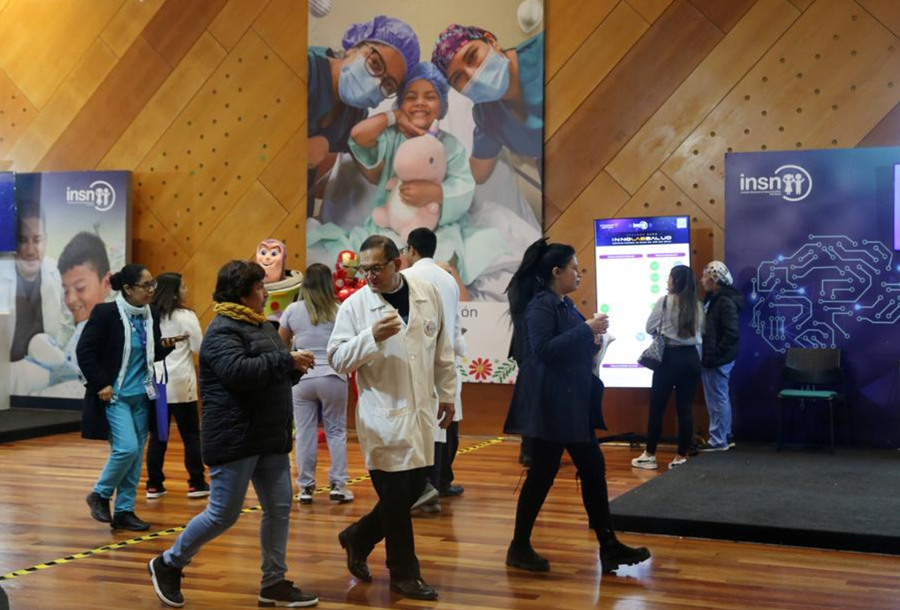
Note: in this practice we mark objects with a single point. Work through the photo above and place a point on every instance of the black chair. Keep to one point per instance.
(810, 376)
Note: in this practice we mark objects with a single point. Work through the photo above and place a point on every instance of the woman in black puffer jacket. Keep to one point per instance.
(723, 306)
(246, 375)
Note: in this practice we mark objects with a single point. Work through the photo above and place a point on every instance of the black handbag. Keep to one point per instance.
(653, 355)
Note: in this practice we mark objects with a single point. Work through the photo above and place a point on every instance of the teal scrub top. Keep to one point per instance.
(495, 124)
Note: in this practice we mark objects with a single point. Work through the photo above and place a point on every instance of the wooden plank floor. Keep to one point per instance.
(43, 517)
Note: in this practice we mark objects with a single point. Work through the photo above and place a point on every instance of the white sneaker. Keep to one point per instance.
(678, 461)
(340, 493)
(646, 461)
(306, 494)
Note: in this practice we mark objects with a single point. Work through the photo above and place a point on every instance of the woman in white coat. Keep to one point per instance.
(176, 320)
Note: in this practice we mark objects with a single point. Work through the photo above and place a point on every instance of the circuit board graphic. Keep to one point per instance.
(817, 295)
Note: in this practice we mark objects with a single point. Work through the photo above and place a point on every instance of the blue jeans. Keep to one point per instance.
(271, 477)
(718, 403)
(129, 419)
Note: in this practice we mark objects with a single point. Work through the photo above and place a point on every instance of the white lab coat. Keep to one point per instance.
(182, 386)
(428, 271)
(398, 378)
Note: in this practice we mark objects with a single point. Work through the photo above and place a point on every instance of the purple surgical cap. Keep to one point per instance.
(451, 39)
(389, 31)
(428, 71)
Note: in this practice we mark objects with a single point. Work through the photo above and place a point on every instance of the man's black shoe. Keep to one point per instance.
(617, 554)
(414, 588)
(526, 558)
(129, 521)
(99, 507)
(166, 582)
(356, 560)
(285, 594)
(453, 490)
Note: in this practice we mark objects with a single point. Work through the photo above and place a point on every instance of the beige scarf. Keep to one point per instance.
(239, 312)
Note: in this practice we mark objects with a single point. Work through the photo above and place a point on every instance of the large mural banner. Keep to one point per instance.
(430, 114)
(72, 229)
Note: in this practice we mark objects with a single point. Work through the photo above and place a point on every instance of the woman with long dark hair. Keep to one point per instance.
(177, 320)
(681, 317)
(118, 346)
(557, 400)
(307, 324)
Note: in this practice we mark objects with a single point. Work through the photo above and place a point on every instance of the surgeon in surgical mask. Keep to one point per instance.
(377, 55)
(506, 86)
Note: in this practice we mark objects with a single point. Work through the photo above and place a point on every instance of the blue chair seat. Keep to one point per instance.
(808, 394)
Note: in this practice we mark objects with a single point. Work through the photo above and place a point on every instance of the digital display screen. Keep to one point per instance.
(633, 258)
(7, 212)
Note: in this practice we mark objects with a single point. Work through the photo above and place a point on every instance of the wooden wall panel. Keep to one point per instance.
(650, 9)
(223, 140)
(283, 26)
(886, 11)
(177, 25)
(109, 111)
(724, 14)
(62, 107)
(16, 114)
(282, 178)
(826, 83)
(43, 41)
(701, 92)
(590, 64)
(574, 23)
(633, 91)
(128, 23)
(234, 20)
(166, 104)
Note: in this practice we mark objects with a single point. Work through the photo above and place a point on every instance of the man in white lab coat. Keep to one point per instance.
(391, 332)
(421, 245)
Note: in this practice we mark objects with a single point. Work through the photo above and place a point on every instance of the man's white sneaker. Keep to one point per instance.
(646, 461)
(678, 461)
(340, 493)
(306, 494)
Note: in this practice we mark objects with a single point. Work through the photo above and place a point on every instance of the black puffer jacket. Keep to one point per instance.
(246, 375)
(720, 335)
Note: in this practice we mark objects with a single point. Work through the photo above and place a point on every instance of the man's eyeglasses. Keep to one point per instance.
(372, 269)
(376, 66)
(151, 285)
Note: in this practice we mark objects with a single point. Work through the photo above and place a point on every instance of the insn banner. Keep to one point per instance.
(810, 241)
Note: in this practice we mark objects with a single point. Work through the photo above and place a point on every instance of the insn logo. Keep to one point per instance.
(99, 194)
(790, 182)
(642, 225)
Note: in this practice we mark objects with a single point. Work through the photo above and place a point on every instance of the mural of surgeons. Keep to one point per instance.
(482, 246)
(344, 85)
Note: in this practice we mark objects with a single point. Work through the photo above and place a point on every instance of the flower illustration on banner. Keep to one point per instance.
(481, 368)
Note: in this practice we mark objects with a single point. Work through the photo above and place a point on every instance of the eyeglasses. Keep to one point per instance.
(151, 285)
(376, 66)
(372, 269)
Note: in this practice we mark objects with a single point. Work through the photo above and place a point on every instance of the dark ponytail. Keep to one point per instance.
(130, 275)
(684, 286)
(535, 273)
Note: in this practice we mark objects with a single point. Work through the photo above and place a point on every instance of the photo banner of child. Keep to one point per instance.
(430, 114)
(71, 228)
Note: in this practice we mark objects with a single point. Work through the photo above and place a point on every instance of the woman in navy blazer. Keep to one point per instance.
(557, 399)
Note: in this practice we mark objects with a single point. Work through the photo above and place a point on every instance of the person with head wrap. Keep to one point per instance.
(506, 86)
(374, 143)
(723, 304)
(378, 54)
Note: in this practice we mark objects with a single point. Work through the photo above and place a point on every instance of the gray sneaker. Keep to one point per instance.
(429, 496)
(306, 494)
(707, 448)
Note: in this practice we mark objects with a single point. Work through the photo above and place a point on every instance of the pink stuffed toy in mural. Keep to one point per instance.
(420, 158)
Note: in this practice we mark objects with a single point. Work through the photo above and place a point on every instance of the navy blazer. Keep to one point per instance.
(557, 396)
(99, 352)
